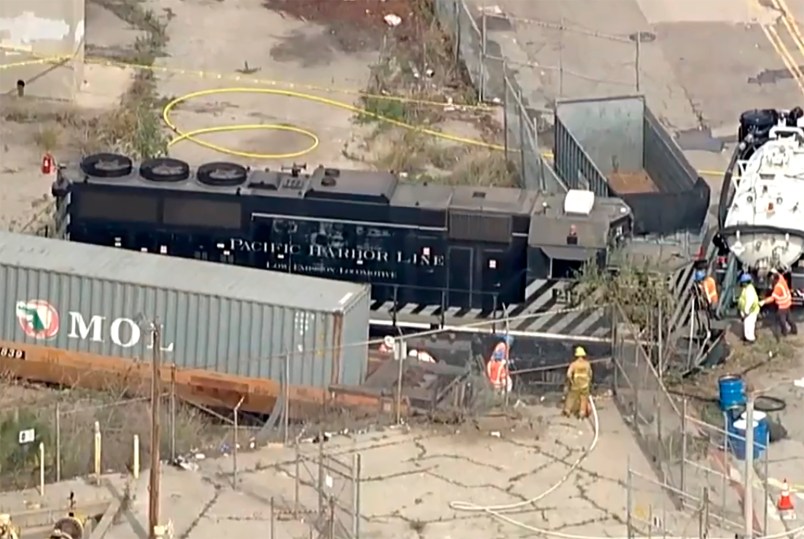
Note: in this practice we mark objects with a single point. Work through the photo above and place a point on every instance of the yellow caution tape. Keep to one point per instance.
(292, 91)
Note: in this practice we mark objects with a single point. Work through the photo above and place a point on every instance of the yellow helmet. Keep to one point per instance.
(580, 352)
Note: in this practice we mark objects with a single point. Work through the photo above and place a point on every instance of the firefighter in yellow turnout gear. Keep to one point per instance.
(579, 384)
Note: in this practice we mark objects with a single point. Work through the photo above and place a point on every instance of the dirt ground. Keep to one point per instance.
(294, 66)
(632, 182)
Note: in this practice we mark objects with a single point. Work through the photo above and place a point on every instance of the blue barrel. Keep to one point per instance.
(737, 437)
(762, 417)
(732, 392)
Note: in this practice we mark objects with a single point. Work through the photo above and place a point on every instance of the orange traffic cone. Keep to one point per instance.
(785, 503)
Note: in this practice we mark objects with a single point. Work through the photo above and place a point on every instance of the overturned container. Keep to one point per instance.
(72, 310)
(617, 147)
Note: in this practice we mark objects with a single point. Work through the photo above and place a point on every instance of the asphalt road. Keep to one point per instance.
(699, 64)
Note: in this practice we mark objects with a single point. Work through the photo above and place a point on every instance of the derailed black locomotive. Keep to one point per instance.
(454, 246)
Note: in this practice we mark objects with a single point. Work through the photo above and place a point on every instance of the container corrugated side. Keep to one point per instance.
(199, 331)
(354, 336)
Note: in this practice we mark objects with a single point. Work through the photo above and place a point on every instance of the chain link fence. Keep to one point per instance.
(521, 143)
(550, 76)
(335, 481)
(692, 457)
(79, 435)
(609, 66)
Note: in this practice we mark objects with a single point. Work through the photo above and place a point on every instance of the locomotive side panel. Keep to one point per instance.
(400, 262)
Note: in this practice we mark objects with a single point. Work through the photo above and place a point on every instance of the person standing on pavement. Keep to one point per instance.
(782, 298)
(749, 307)
(579, 382)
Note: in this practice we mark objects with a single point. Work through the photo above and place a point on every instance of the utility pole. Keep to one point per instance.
(748, 499)
(153, 490)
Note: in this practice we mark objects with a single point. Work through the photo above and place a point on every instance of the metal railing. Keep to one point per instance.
(472, 33)
(691, 457)
(495, 83)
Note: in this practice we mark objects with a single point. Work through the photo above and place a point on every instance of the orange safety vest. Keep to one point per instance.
(497, 371)
(781, 294)
(709, 287)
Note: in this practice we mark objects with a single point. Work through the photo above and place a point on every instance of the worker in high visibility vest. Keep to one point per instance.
(708, 288)
(497, 366)
(579, 385)
(749, 307)
(782, 298)
(387, 345)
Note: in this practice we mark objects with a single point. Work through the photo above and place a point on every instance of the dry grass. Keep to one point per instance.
(70, 415)
(420, 66)
(133, 128)
(424, 158)
(639, 288)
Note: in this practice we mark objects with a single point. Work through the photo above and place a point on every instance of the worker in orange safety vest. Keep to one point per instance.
(579, 385)
(387, 345)
(497, 366)
(783, 299)
(708, 288)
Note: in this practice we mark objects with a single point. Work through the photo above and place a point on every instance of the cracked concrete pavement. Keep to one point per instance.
(411, 474)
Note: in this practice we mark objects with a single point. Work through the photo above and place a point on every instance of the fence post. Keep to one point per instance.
(331, 519)
(173, 412)
(628, 485)
(321, 481)
(286, 400)
(234, 443)
(682, 480)
(41, 468)
(135, 465)
(456, 12)
(637, 59)
(561, 59)
(522, 113)
(658, 407)
(296, 484)
(727, 460)
(505, 115)
(765, 492)
(401, 362)
(481, 87)
(637, 381)
(356, 473)
(58, 443)
(273, 534)
(97, 452)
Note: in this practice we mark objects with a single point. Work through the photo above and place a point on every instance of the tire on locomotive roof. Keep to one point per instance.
(164, 169)
(222, 174)
(107, 165)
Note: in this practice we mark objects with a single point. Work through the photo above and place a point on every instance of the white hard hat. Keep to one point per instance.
(5, 519)
(388, 341)
(413, 353)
